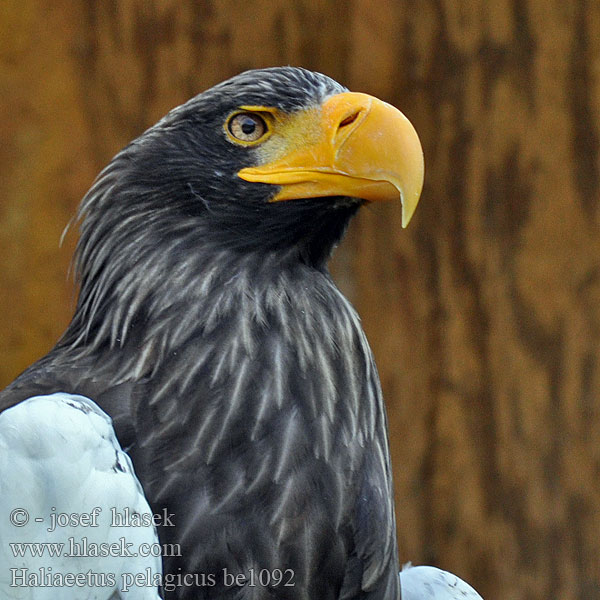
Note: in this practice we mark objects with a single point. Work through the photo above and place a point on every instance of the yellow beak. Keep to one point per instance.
(361, 147)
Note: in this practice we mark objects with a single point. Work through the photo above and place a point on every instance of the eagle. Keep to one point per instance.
(207, 327)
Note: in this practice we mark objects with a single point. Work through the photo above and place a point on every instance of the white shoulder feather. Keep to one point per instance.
(62, 474)
(430, 583)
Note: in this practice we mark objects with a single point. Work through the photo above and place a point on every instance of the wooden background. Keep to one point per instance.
(484, 315)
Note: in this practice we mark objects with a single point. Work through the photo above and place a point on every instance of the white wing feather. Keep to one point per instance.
(59, 454)
(430, 583)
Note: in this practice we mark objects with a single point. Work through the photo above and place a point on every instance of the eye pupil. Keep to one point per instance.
(247, 127)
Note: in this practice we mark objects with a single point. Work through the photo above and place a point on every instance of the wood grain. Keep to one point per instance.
(484, 315)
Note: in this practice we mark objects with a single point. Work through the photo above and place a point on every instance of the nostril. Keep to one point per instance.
(349, 119)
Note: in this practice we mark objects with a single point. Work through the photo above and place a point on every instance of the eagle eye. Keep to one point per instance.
(247, 127)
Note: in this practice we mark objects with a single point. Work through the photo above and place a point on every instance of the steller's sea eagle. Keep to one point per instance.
(237, 376)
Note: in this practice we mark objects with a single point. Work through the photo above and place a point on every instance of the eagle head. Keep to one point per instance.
(275, 158)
